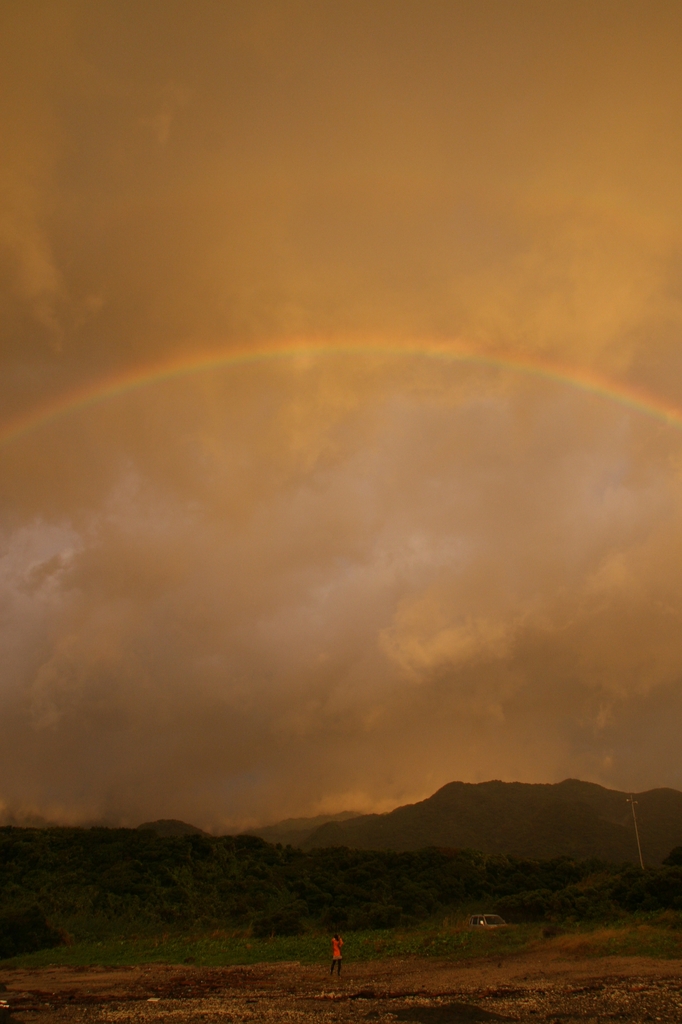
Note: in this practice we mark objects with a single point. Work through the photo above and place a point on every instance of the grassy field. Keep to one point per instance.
(659, 936)
(633, 939)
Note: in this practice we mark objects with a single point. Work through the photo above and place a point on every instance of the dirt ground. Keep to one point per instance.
(530, 987)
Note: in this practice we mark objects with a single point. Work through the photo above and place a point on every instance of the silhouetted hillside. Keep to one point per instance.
(571, 818)
(171, 827)
(294, 831)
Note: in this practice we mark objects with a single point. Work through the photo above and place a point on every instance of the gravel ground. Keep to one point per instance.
(534, 988)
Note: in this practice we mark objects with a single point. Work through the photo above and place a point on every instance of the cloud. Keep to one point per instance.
(280, 587)
(424, 637)
(220, 662)
(173, 98)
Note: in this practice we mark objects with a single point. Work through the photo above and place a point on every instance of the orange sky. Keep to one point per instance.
(339, 579)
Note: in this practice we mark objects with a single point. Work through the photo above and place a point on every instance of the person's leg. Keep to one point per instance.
(332, 966)
(339, 967)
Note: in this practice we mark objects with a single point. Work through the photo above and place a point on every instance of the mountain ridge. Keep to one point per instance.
(538, 820)
(293, 831)
(171, 827)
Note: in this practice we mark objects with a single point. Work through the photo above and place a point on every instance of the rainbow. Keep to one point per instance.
(209, 359)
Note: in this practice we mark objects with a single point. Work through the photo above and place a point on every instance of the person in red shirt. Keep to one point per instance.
(337, 943)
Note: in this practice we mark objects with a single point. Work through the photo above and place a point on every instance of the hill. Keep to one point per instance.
(294, 831)
(567, 819)
(171, 827)
(114, 881)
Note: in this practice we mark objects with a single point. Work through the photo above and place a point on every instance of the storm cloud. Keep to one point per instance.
(337, 579)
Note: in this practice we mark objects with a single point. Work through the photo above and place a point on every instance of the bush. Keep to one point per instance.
(376, 916)
(286, 921)
(24, 931)
(525, 906)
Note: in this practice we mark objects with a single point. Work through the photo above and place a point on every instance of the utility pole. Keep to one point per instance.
(631, 800)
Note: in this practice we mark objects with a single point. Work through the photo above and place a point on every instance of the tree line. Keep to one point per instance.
(135, 878)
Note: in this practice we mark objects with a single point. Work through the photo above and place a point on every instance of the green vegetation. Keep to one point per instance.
(224, 948)
(25, 930)
(656, 936)
(130, 894)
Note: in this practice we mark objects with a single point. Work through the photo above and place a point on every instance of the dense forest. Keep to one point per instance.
(75, 878)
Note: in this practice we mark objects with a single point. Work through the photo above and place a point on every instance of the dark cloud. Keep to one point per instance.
(335, 581)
